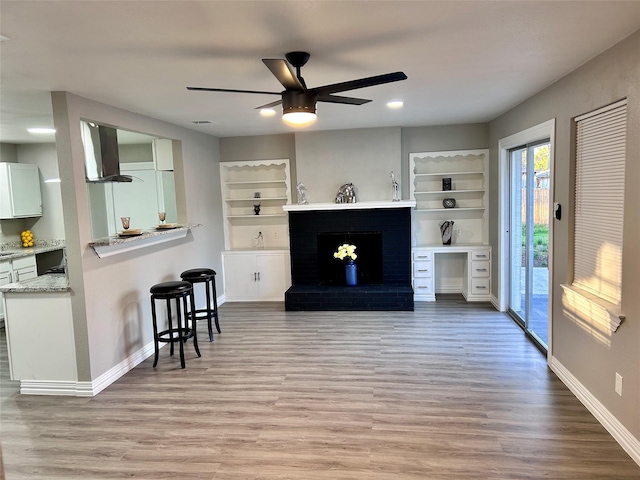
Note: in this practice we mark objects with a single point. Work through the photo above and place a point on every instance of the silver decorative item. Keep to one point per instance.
(449, 203)
(346, 194)
(395, 187)
(302, 194)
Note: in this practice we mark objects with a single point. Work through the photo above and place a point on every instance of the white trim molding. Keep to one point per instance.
(624, 437)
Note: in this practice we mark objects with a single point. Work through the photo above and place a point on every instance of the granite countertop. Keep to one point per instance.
(9, 251)
(54, 282)
(156, 232)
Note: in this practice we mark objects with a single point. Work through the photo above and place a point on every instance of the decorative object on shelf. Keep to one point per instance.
(348, 252)
(302, 194)
(259, 240)
(346, 194)
(27, 239)
(257, 194)
(446, 184)
(395, 188)
(446, 230)
(162, 216)
(126, 222)
(256, 209)
(449, 203)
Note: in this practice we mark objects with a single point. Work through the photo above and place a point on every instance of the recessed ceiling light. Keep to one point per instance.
(395, 104)
(41, 130)
(267, 112)
(52, 180)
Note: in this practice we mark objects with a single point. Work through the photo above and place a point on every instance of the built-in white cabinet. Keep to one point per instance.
(16, 270)
(20, 195)
(253, 193)
(256, 229)
(462, 269)
(261, 275)
(466, 171)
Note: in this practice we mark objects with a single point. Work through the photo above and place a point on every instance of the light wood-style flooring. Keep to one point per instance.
(452, 391)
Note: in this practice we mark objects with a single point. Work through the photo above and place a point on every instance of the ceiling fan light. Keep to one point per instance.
(299, 118)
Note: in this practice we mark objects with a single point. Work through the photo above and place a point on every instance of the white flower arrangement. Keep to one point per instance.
(346, 251)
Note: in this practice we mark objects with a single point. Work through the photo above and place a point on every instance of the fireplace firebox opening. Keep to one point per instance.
(369, 261)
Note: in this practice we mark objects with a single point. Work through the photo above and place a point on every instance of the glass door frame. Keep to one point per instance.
(537, 132)
(523, 316)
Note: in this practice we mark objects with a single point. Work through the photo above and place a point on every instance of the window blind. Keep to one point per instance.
(599, 201)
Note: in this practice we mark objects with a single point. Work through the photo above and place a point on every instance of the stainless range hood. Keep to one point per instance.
(102, 161)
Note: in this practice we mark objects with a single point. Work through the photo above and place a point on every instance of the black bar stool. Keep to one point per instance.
(208, 277)
(178, 291)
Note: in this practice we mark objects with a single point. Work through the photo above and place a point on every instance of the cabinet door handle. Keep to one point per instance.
(255, 277)
(258, 276)
(481, 255)
(422, 286)
(422, 256)
(423, 270)
(481, 287)
(481, 269)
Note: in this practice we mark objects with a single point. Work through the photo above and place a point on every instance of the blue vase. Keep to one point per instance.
(351, 274)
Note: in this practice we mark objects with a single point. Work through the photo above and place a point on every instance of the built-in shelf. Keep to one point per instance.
(450, 210)
(249, 183)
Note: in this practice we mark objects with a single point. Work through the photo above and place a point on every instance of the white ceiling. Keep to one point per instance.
(466, 61)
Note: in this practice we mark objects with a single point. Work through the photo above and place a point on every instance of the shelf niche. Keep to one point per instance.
(468, 171)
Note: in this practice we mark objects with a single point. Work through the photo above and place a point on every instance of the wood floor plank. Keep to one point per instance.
(450, 391)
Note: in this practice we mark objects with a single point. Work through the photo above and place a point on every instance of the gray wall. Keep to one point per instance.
(613, 75)
(110, 301)
(365, 157)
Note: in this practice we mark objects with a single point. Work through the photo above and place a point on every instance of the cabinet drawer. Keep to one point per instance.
(423, 269)
(24, 262)
(480, 255)
(422, 256)
(480, 286)
(480, 268)
(422, 286)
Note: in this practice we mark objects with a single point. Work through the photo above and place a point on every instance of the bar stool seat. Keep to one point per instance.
(208, 277)
(178, 291)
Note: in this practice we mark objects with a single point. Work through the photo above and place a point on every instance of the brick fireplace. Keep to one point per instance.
(382, 233)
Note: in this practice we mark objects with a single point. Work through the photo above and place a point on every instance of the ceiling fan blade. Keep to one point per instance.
(360, 83)
(269, 105)
(283, 72)
(338, 99)
(206, 89)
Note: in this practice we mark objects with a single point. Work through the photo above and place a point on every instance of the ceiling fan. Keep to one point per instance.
(298, 101)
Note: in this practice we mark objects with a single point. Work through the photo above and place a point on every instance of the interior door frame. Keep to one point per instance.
(530, 135)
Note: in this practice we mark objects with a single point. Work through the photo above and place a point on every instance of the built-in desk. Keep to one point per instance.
(476, 275)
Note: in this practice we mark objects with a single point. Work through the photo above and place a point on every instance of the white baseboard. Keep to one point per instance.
(48, 387)
(87, 389)
(494, 302)
(619, 432)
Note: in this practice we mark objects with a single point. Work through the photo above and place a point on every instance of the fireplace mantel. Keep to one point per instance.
(349, 206)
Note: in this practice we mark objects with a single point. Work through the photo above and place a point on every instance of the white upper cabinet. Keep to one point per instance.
(20, 195)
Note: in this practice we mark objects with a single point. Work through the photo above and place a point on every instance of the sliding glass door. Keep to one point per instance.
(529, 239)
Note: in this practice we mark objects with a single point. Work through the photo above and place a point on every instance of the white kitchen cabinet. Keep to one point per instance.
(258, 275)
(20, 195)
(163, 154)
(16, 270)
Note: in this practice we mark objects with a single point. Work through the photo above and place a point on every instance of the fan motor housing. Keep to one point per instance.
(295, 101)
